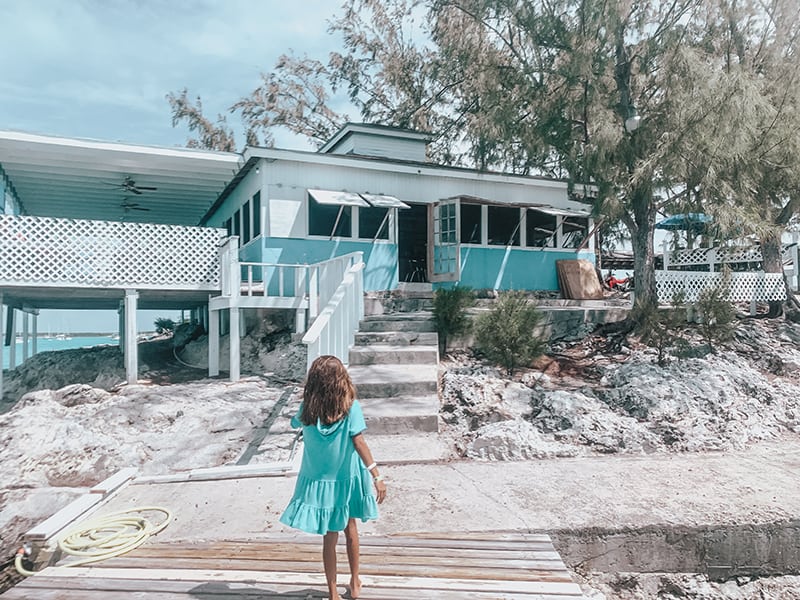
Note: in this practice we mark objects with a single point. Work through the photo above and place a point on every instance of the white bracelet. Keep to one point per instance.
(372, 466)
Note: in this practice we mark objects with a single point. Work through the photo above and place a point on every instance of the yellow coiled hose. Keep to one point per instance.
(105, 537)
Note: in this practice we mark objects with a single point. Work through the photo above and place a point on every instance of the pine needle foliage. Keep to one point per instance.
(662, 329)
(450, 313)
(717, 314)
(507, 334)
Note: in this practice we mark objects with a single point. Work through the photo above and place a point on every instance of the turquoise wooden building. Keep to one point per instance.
(371, 189)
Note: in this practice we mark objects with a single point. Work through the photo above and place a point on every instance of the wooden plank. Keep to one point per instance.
(491, 536)
(64, 517)
(40, 585)
(114, 482)
(217, 473)
(406, 542)
(317, 580)
(314, 559)
(284, 550)
(421, 569)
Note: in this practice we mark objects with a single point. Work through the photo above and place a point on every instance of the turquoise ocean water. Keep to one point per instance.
(47, 344)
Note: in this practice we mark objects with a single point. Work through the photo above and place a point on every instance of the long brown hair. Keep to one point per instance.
(329, 391)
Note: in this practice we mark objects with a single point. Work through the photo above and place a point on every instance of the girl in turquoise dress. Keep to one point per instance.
(334, 486)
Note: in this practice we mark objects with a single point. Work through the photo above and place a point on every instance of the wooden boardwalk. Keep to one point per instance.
(429, 566)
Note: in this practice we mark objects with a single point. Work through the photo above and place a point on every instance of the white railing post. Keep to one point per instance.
(712, 259)
(300, 280)
(313, 293)
(665, 254)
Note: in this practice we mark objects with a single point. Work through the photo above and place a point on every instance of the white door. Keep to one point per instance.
(444, 251)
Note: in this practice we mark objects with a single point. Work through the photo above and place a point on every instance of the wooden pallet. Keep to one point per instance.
(432, 566)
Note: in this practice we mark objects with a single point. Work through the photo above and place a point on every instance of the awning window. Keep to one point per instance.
(381, 201)
(560, 212)
(337, 198)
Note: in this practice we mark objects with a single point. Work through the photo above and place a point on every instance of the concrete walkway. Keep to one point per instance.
(752, 486)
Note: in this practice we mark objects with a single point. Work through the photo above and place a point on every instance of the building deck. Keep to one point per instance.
(431, 566)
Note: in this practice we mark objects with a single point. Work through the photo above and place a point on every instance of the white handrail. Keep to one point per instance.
(333, 331)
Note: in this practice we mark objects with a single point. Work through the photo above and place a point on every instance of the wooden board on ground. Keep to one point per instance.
(436, 566)
(578, 280)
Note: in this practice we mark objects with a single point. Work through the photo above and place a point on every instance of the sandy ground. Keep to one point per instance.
(591, 437)
(752, 486)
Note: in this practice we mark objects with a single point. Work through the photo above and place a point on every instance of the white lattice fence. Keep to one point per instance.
(67, 252)
(735, 254)
(742, 287)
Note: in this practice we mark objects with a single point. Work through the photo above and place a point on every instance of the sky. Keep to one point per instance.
(101, 69)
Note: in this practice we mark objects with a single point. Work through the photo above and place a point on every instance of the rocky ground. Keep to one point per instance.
(591, 396)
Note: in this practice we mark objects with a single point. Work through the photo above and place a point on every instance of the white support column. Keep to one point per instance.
(300, 276)
(233, 338)
(2, 343)
(12, 347)
(25, 335)
(131, 346)
(213, 342)
(121, 325)
(35, 333)
(665, 255)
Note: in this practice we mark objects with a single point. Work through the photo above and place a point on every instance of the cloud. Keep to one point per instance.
(75, 59)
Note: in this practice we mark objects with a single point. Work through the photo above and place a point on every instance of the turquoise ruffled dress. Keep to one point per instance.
(333, 485)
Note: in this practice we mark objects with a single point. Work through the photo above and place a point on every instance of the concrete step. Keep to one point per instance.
(420, 315)
(401, 414)
(390, 354)
(389, 323)
(397, 338)
(379, 306)
(388, 381)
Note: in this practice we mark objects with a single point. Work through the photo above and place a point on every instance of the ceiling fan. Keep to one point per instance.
(128, 206)
(129, 185)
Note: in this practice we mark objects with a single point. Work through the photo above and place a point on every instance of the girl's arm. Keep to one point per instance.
(366, 455)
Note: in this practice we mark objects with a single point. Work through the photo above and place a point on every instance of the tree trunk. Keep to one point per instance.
(772, 262)
(644, 218)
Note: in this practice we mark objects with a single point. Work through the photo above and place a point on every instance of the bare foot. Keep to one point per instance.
(354, 589)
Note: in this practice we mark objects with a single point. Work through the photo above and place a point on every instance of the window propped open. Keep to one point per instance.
(330, 214)
(382, 201)
(504, 225)
(540, 229)
(337, 198)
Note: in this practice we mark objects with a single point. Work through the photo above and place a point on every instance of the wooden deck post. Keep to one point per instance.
(213, 342)
(233, 338)
(131, 346)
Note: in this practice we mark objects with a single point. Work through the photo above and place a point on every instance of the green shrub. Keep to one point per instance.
(450, 313)
(717, 314)
(662, 328)
(164, 325)
(506, 333)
